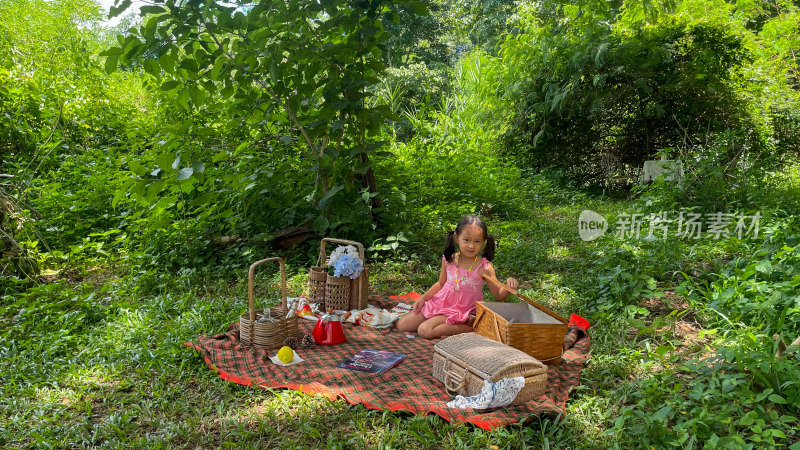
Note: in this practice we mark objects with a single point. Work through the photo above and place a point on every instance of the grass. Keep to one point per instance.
(96, 359)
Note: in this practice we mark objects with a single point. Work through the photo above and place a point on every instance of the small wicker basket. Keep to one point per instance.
(267, 334)
(462, 362)
(339, 293)
(317, 277)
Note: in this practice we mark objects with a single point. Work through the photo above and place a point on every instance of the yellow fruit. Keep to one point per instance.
(286, 354)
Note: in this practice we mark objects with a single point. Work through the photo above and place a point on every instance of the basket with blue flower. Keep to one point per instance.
(347, 279)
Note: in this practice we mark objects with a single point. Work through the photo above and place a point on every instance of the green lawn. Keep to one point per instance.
(95, 357)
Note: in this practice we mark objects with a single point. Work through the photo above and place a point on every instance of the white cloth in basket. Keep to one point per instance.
(493, 395)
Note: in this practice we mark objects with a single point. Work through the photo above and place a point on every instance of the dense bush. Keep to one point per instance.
(610, 87)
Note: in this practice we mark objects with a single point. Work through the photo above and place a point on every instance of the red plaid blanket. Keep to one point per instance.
(409, 386)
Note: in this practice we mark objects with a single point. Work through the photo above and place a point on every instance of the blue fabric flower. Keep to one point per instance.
(348, 266)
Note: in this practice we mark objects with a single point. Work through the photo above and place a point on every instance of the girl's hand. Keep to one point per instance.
(418, 304)
(512, 283)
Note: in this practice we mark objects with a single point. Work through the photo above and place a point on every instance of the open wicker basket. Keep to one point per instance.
(529, 327)
(267, 334)
(339, 293)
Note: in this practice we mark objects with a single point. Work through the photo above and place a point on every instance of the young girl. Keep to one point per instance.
(445, 308)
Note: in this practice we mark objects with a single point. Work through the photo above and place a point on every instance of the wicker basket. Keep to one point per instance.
(342, 293)
(529, 327)
(317, 277)
(462, 362)
(267, 334)
(337, 293)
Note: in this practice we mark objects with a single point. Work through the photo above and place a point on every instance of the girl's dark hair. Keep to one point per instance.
(450, 243)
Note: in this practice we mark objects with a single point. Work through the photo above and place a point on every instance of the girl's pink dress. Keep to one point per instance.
(456, 305)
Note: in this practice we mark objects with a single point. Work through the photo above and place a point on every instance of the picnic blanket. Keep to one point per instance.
(409, 386)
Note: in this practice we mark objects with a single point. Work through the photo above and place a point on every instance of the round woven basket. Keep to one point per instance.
(337, 293)
(267, 334)
(317, 277)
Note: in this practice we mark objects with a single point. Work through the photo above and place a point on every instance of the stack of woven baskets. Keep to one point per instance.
(339, 293)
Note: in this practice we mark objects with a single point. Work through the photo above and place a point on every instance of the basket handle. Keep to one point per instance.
(251, 282)
(450, 378)
(323, 255)
(497, 283)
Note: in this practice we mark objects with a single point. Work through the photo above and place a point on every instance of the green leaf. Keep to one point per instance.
(226, 92)
(241, 147)
(274, 73)
(218, 66)
(778, 433)
(637, 323)
(170, 85)
(775, 398)
(663, 350)
(184, 173)
(748, 419)
(113, 51)
(764, 267)
(114, 11)
(763, 395)
(136, 167)
(320, 224)
(203, 199)
(220, 156)
(167, 63)
(323, 202)
(151, 66)
(662, 413)
(138, 189)
(164, 161)
(198, 95)
(152, 9)
(198, 167)
(111, 63)
(153, 190)
(188, 187)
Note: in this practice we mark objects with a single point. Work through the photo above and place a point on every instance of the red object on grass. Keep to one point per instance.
(579, 322)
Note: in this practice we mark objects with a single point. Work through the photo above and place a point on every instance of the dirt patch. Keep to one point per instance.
(664, 305)
(680, 321)
(96, 276)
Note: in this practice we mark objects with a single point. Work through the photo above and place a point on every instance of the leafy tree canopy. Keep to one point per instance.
(296, 73)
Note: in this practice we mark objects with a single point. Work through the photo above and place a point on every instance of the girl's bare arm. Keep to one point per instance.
(499, 293)
(433, 289)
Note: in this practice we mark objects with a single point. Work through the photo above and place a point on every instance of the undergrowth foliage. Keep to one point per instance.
(143, 196)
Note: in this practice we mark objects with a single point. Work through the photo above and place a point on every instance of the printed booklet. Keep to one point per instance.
(371, 361)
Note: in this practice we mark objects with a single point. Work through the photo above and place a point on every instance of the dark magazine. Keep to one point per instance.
(371, 361)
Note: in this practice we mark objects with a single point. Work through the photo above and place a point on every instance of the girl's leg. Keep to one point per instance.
(436, 327)
(410, 321)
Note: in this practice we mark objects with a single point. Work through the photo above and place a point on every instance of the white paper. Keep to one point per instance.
(295, 360)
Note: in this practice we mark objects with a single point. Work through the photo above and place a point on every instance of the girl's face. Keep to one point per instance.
(470, 241)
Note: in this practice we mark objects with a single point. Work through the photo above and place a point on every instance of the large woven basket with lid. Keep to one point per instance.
(462, 362)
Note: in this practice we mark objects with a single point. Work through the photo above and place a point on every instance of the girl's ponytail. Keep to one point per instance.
(449, 246)
(488, 249)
